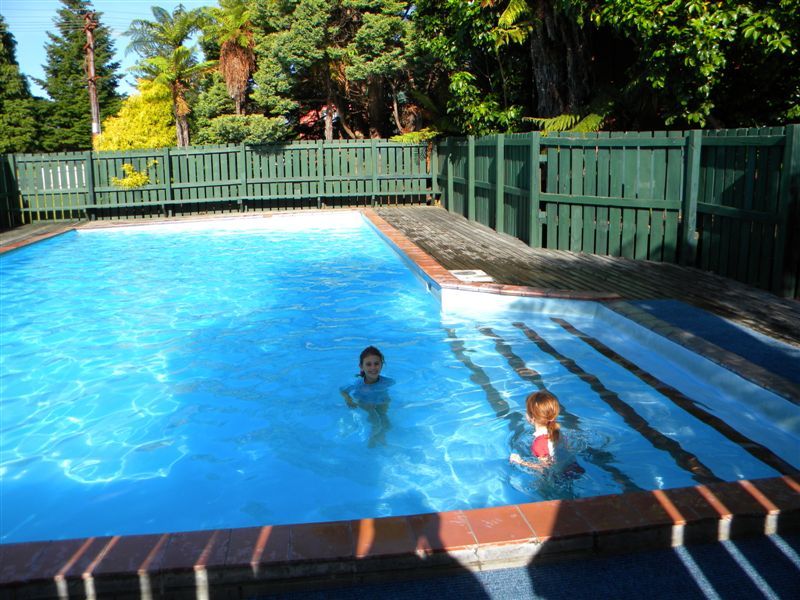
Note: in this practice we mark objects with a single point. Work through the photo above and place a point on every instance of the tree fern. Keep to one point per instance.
(586, 120)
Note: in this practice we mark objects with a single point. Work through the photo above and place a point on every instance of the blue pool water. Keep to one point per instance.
(180, 377)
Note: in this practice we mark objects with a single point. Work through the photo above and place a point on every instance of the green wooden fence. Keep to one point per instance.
(213, 178)
(724, 201)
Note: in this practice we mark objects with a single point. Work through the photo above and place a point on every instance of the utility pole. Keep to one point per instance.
(89, 25)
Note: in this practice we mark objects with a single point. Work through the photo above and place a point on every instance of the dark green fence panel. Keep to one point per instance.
(616, 194)
(9, 194)
(743, 210)
(113, 199)
(56, 187)
(221, 178)
(484, 182)
(725, 201)
(518, 168)
(455, 182)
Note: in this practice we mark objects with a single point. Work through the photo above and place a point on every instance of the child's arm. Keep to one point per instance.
(350, 402)
(517, 460)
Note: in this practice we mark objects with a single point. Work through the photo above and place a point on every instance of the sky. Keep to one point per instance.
(28, 20)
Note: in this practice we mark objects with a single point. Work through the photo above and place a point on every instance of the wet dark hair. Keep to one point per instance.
(369, 351)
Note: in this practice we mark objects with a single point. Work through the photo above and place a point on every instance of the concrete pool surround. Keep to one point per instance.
(243, 562)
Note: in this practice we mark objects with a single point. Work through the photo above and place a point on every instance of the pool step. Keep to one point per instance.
(725, 358)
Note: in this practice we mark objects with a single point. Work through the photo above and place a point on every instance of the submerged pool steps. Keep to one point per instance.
(687, 404)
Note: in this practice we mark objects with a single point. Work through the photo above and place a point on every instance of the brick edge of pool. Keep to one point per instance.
(252, 560)
(247, 561)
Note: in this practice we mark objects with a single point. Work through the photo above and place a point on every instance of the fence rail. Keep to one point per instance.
(723, 201)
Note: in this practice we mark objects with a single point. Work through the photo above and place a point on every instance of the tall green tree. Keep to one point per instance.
(232, 29)
(19, 129)
(69, 119)
(348, 58)
(168, 61)
(484, 85)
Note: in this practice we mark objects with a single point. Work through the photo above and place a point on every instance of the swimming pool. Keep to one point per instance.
(193, 385)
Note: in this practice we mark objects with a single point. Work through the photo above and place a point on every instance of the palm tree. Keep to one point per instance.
(179, 71)
(231, 27)
(167, 60)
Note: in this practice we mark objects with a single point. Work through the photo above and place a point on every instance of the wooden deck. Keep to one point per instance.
(461, 244)
(457, 243)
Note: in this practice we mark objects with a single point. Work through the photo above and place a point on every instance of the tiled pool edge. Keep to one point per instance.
(248, 561)
(446, 280)
(255, 560)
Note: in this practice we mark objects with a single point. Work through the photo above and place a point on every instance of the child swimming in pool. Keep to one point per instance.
(370, 392)
(542, 409)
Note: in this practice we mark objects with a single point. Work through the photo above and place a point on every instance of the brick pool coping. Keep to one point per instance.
(252, 560)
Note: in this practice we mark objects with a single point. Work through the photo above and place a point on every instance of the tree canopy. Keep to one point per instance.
(368, 68)
(19, 128)
(68, 120)
(167, 60)
(144, 121)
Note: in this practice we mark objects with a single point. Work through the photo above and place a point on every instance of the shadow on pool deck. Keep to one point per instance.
(764, 567)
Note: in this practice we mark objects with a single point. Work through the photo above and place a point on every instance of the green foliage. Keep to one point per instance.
(484, 80)
(586, 120)
(479, 113)
(132, 178)
(513, 26)
(19, 126)
(568, 122)
(343, 53)
(212, 102)
(69, 117)
(689, 52)
(247, 129)
(416, 137)
(167, 61)
(144, 121)
(231, 28)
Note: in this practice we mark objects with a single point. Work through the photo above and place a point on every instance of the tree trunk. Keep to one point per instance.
(377, 108)
(180, 108)
(182, 127)
(561, 62)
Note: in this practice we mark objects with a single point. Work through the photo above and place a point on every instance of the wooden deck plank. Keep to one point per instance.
(461, 244)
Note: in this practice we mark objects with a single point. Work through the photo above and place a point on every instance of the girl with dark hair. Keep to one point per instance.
(370, 392)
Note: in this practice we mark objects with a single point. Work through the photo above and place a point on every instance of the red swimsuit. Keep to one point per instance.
(541, 446)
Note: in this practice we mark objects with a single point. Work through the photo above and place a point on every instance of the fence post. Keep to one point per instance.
(320, 172)
(16, 191)
(694, 146)
(470, 177)
(534, 190)
(784, 277)
(242, 173)
(89, 166)
(450, 186)
(167, 180)
(433, 168)
(373, 166)
(500, 182)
